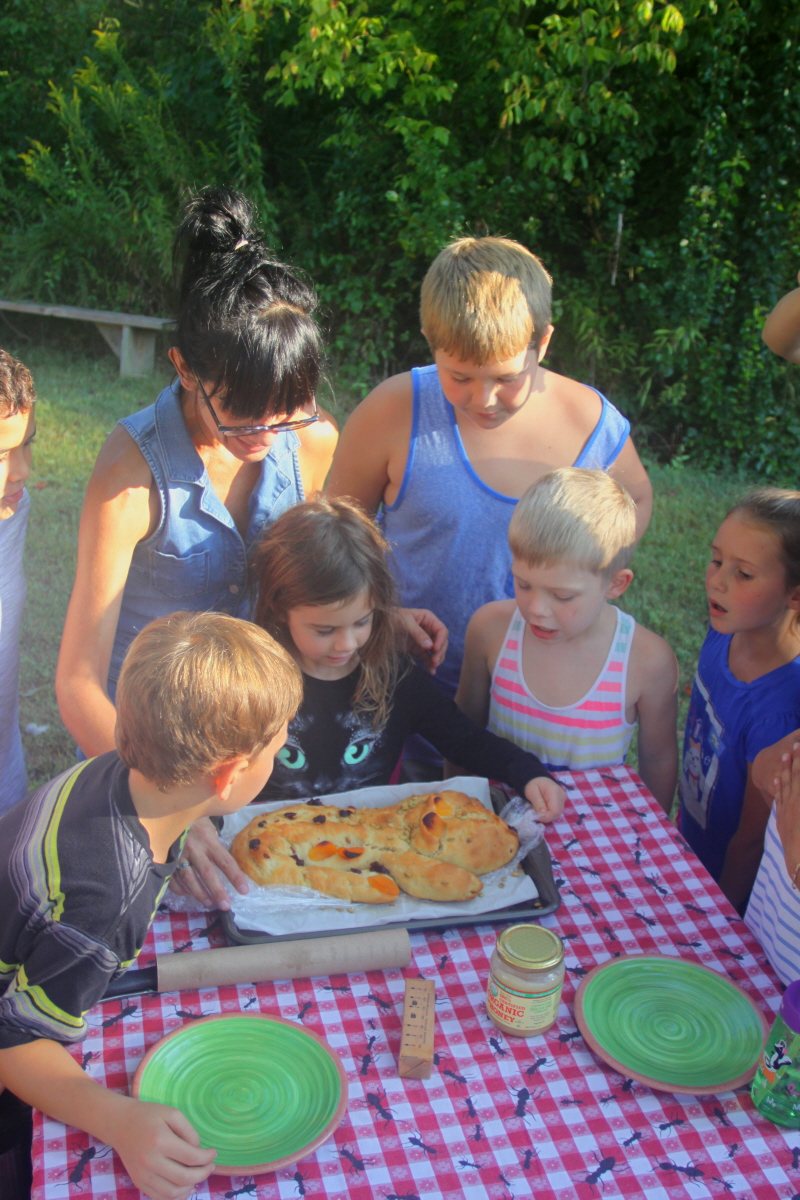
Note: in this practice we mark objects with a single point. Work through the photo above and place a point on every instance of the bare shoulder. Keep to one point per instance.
(386, 405)
(482, 645)
(652, 660)
(371, 455)
(317, 444)
(487, 626)
(580, 405)
(121, 505)
(120, 466)
(324, 432)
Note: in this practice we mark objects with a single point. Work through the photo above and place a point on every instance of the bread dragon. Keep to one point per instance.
(433, 847)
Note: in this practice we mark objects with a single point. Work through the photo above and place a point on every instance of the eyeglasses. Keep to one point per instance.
(245, 430)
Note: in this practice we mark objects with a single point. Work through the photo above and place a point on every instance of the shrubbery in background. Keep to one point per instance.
(645, 150)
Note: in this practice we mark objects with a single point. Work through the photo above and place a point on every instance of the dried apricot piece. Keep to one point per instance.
(322, 850)
(382, 883)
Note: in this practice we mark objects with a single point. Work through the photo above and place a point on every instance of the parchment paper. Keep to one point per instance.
(300, 910)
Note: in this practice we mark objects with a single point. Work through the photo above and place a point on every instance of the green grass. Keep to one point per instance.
(81, 397)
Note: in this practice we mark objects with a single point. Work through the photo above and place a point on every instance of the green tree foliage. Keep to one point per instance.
(645, 150)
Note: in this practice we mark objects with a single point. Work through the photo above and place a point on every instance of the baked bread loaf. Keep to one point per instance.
(433, 847)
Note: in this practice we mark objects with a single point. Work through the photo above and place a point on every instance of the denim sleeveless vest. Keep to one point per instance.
(448, 530)
(196, 559)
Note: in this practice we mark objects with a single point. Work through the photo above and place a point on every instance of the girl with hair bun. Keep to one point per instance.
(183, 490)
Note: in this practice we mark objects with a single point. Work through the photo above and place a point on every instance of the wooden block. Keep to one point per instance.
(416, 1042)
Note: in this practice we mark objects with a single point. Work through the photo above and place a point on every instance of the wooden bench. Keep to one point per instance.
(132, 338)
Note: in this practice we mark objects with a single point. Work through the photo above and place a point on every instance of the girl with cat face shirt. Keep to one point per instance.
(326, 593)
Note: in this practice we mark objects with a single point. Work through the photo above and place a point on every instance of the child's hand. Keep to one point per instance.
(426, 635)
(547, 798)
(787, 808)
(161, 1151)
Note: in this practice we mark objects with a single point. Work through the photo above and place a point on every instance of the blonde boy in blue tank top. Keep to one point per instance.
(448, 449)
(559, 670)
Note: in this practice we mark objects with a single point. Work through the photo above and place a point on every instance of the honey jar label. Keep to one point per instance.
(522, 1010)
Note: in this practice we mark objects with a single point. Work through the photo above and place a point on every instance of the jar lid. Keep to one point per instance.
(530, 947)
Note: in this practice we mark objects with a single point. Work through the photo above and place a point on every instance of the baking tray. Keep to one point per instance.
(537, 864)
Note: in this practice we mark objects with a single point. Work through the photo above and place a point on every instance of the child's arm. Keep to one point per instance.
(547, 798)
(746, 846)
(458, 740)
(370, 458)
(628, 470)
(160, 1149)
(468, 741)
(654, 671)
(475, 680)
(781, 329)
(368, 466)
(481, 647)
(786, 787)
(767, 764)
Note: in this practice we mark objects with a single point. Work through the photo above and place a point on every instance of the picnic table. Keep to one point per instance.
(500, 1117)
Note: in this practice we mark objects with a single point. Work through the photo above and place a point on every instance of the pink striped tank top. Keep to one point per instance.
(593, 732)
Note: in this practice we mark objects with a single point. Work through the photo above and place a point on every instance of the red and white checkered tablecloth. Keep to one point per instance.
(500, 1117)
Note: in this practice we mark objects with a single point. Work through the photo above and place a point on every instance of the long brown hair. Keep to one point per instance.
(326, 552)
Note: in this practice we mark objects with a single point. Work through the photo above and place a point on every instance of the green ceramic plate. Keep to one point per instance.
(674, 1025)
(262, 1091)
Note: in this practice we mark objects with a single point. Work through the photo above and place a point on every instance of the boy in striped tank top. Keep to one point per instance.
(559, 670)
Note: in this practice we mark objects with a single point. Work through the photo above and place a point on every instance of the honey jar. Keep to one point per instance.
(526, 976)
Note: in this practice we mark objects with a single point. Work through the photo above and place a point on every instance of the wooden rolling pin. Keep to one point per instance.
(266, 961)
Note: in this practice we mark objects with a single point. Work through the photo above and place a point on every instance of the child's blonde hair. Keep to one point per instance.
(485, 300)
(327, 552)
(197, 689)
(16, 386)
(575, 515)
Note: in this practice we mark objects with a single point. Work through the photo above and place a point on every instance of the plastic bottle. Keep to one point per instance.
(776, 1086)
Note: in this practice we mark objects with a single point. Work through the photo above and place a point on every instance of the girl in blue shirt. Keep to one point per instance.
(746, 692)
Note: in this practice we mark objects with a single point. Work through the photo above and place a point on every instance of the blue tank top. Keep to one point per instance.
(196, 559)
(448, 530)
